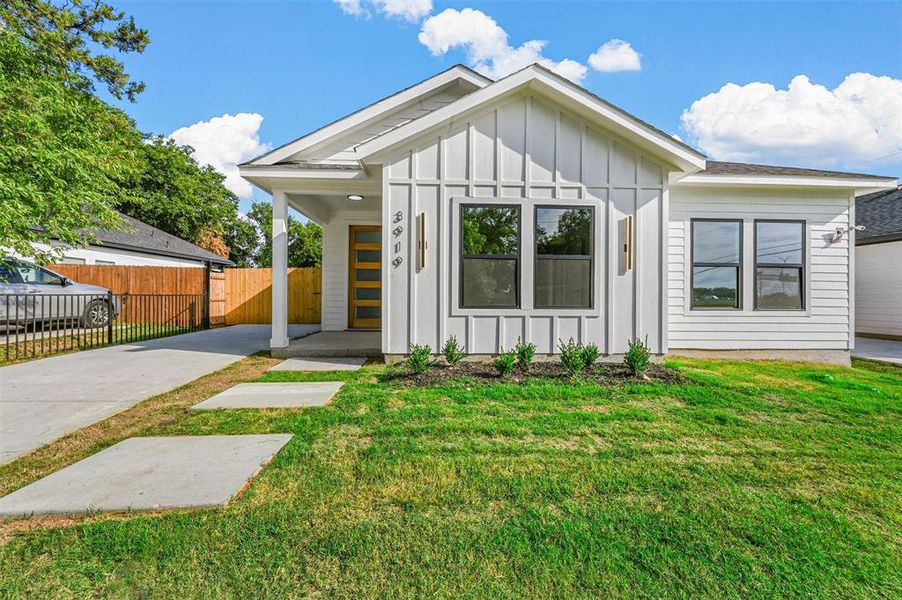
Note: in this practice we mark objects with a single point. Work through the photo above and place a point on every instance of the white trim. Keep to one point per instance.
(858, 184)
(372, 111)
(539, 79)
(300, 173)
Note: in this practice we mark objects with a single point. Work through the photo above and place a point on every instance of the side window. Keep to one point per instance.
(779, 265)
(37, 275)
(716, 264)
(489, 256)
(563, 277)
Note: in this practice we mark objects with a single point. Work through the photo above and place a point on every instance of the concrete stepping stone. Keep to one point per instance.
(149, 473)
(319, 364)
(273, 395)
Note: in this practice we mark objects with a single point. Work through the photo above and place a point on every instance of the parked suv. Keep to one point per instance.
(30, 294)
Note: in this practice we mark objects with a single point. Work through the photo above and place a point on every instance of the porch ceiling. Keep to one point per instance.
(320, 208)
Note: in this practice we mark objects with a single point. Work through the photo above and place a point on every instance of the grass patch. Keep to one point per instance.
(747, 479)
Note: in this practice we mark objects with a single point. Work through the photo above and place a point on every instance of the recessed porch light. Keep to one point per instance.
(355, 197)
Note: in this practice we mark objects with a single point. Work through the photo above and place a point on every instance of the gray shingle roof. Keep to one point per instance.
(881, 215)
(715, 167)
(141, 237)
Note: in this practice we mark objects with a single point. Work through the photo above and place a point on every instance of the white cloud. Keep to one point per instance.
(857, 123)
(409, 10)
(486, 45)
(224, 142)
(615, 55)
(352, 7)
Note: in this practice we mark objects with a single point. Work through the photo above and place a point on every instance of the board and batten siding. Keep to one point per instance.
(521, 150)
(825, 322)
(878, 289)
(336, 244)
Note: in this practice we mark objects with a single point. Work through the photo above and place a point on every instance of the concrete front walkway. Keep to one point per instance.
(43, 400)
(883, 350)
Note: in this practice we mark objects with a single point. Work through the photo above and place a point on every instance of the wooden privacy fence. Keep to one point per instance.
(235, 295)
(171, 296)
(248, 295)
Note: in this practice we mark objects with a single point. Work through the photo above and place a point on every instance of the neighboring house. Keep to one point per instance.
(878, 265)
(139, 244)
(529, 208)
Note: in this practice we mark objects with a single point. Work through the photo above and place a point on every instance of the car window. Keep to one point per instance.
(8, 273)
(37, 275)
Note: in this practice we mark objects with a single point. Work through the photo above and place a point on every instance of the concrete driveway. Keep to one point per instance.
(883, 350)
(43, 400)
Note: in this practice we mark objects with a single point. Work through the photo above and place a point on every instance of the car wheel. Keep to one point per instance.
(97, 314)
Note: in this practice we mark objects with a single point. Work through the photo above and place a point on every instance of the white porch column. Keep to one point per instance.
(279, 337)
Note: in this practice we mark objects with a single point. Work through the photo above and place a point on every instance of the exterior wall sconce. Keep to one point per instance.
(841, 231)
(628, 243)
(421, 241)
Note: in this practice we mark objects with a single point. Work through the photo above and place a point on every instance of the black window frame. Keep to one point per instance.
(802, 267)
(535, 244)
(738, 265)
(516, 258)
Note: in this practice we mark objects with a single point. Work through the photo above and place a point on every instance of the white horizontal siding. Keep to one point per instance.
(878, 289)
(824, 324)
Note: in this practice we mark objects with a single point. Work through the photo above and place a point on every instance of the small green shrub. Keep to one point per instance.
(453, 351)
(590, 354)
(504, 362)
(637, 356)
(420, 358)
(525, 354)
(571, 357)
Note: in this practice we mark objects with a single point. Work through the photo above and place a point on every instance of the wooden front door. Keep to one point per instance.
(365, 277)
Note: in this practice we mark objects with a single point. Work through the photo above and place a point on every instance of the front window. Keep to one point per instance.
(563, 277)
(779, 265)
(490, 256)
(716, 264)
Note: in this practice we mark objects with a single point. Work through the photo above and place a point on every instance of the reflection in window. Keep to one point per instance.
(490, 256)
(716, 262)
(779, 265)
(563, 277)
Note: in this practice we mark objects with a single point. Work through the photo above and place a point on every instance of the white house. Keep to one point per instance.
(878, 265)
(530, 208)
(137, 244)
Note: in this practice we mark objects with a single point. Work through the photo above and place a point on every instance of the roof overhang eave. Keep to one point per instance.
(863, 185)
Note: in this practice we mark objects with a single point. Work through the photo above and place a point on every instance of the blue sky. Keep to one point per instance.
(299, 65)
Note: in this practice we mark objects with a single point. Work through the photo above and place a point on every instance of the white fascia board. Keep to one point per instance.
(295, 173)
(546, 83)
(854, 183)
(372, 111)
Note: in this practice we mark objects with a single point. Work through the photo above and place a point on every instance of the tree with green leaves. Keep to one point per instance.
(64, 153)
(305, 240)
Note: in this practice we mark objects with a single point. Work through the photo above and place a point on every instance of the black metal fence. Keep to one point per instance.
(38, 324)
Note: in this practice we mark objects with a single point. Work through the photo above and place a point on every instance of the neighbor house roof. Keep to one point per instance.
(138, 236)
(881, 215)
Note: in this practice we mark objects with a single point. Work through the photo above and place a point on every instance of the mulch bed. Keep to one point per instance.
(484, 372)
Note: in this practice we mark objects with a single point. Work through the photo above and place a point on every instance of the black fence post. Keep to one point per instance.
(109, 318)
(208, 270)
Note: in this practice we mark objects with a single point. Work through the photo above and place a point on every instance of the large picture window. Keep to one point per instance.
(563, 277)
(779, 265)
(489, 256)
(716, 264)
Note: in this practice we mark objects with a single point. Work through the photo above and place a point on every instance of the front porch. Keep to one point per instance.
(332, 344)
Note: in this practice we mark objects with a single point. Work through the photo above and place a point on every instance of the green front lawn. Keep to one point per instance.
(753, 479)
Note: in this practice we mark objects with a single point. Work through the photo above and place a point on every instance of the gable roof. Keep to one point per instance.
(881, 215)
(572, 96)
(141, 237)
(457, 73)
